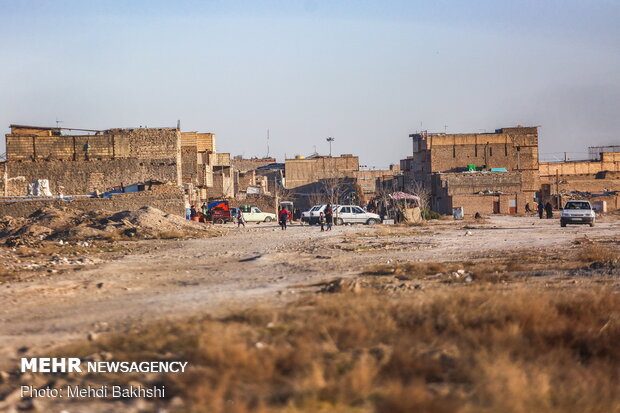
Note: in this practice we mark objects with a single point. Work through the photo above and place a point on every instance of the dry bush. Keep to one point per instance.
(465, 351)
(409, 270)
(592, 252)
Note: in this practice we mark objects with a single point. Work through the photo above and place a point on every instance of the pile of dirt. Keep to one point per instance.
(53, 224)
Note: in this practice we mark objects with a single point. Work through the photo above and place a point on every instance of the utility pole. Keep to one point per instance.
(267, 143)
(330, 140)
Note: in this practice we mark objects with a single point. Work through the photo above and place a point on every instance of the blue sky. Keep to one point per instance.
(367, 73)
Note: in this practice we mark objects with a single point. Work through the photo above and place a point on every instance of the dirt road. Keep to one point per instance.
(261, 262)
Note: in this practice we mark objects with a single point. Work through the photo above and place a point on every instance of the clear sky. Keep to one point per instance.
(367, 73)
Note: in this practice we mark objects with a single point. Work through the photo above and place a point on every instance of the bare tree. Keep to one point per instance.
(420, 190)
(334, 187)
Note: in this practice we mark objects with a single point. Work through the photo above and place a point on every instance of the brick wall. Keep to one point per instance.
(83, 177)
(243, 165)
(81, 164)
(301, 172)
(189, 164)
(483, 204)
(610, 162)
(113, 143)
(169, 202)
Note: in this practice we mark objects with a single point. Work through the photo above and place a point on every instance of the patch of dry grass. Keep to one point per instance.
(473, 350)
(592, 252)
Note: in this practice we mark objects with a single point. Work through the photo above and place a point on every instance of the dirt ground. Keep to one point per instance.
(140, 281)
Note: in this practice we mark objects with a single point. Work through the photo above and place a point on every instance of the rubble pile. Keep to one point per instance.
(52, 224)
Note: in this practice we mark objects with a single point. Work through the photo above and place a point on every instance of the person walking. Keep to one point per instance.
(322, 222)
(284, 217)
(329, 216)
(541, 209)
(240, 220)
(549, 210)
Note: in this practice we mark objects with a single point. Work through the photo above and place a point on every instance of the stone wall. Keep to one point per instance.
(171, 202)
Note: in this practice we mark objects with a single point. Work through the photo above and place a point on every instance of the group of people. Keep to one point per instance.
(546, 208)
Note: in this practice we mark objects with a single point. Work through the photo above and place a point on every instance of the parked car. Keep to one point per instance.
(309, 216)
(577, 212)
(251, 213)
(353, 214)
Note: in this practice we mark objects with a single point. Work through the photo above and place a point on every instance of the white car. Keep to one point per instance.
(309, 217)
(577, 212)
(353, 214)
(256, 215)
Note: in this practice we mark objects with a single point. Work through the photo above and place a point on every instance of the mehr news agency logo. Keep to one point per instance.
(76, 365)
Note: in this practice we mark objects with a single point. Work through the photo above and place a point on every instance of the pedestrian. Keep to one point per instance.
(541, 209)
(205, 209)
(193, 212)
(240, 220)
(322, 221)
(549, 210)
(329, 216)
(527, 207)
(284, 217)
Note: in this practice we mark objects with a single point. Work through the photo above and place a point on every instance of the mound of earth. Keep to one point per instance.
(51, 224)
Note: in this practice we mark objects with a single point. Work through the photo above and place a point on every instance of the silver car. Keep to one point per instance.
(353, 214)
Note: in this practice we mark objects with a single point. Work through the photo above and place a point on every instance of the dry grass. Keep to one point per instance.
(593, 252)
(470, 350)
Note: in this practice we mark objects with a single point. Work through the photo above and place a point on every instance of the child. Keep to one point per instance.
(322, 222)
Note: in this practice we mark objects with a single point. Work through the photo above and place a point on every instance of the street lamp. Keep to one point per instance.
(330, 140)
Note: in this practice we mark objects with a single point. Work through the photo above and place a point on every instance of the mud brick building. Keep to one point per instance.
(596, 179)
(248, 164)
(487, 172)
(205, 173)
(89, 161)
(309, 176)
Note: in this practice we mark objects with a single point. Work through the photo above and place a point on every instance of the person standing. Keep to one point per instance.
(329, 216)
(240, 220)
(284, 217)
(541, 209)
(549, 210)
(322, 221)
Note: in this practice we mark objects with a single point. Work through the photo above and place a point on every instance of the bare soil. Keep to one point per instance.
(169, 278)
(114, 286)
